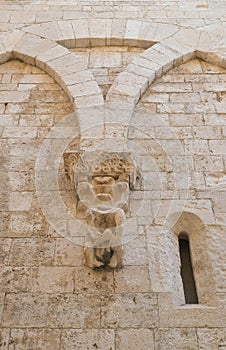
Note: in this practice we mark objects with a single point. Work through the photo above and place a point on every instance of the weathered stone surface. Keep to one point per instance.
(5, 244)
(22, 339)
(2, 297)
(68, 253)
(75, 311)
(94, 282)
(53, 279)
(88, 339)
(15, 280)
(31, 252)
(177, 339)
(4, 338)
(129, 339)
(25, 310)
(129, 310)
(132, 279)
(211, 338)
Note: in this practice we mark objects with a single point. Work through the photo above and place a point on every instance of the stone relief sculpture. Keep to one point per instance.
(102, 183)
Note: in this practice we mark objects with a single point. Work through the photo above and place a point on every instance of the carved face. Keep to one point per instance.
(102, 187)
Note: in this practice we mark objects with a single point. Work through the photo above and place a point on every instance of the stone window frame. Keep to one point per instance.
(202, 267)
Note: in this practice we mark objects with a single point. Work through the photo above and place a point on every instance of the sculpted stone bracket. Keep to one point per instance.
(102, 182)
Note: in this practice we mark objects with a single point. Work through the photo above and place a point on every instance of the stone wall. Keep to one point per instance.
(161, 68)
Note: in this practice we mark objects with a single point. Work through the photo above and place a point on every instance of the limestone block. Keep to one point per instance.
(4, 338)
(221, 104)
(211, 339)
(68, 253)
(197, 147)
(97, 30)
(25, 339)
(158, 259)
(93, 281)
(54, 52)
(144, 72)
(186, 120)
(217, 147)
(21, 181)
(81, 32)
(25, 310)
(131, 92)
(162, 60)
(5, 244)
(148, 64)
(208, 132)
(78, 77)
(185, 52)
(198, 181)
(10, 40)
(127, 78)
(130, 339)
(4, 222)
(102, 339)
(188, 37)
(89, 101)
(15, 280)
(132, 279)
(135, 251)
(2, 297)
(185, 97)
(28, 132)
(177, 339)
(53, 279)
(165, 50)
(20, 201)
(75, 311)
(132, 32)
(208, 163)
(147, 31)
(66, 29)
(118, 29)
(84, 89)
(129, 310)
(169, 87)
(164, 30)
(31, 252)
(14, 96)
(31, 46)
(48, 30)
(69, 60)
(22, 17)
(218, 197)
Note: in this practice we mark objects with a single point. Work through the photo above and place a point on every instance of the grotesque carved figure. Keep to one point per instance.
(104, 244)
(103, 189)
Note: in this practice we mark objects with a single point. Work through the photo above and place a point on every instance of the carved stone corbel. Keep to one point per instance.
(102, 182)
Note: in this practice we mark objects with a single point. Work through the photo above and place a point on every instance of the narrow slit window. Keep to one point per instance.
(187, 275)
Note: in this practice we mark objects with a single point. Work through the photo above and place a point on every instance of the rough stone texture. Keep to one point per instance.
(129, 339)
(34, 339)
(48, 298)
(88, 339)
(185, 339)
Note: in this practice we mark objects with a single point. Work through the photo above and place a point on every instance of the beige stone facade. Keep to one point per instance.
(144, 78)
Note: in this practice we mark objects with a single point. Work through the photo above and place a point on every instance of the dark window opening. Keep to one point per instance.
(187, 275)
